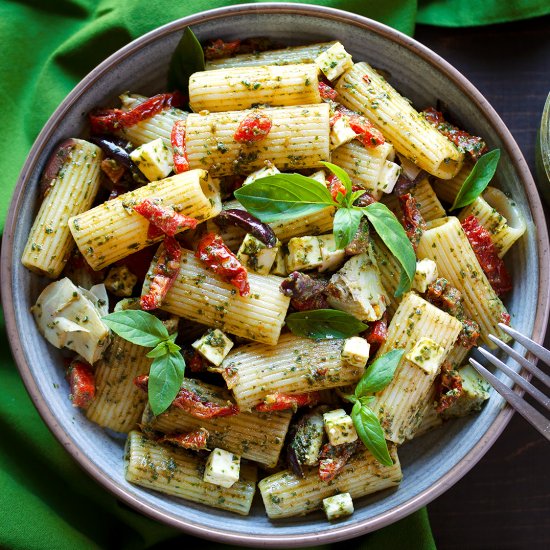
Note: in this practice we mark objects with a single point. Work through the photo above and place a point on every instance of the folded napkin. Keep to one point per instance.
(48, 46)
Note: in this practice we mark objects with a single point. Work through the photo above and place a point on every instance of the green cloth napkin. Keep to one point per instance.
(47, 46)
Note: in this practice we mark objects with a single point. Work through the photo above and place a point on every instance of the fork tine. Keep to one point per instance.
(527, 343)
(525, 363)
(522, 407)
(519, 380)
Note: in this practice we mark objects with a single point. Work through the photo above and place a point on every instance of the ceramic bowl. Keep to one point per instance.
(432, 463)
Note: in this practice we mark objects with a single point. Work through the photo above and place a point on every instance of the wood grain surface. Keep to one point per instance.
(504, 502)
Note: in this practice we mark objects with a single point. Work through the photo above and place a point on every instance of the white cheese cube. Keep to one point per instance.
(154, 159)
(389, 174)
(356, 351)
(338, 506)
(339, 427)
(269, 170)
(334, 61)
(341, 133)
(303, 253)
(120, 281)
(222, 468)
(426, 354)
(213, 346)
(256, 256)
(279, 266)
(474, 392)
(332, 257)
(426, 274)
(319, 176)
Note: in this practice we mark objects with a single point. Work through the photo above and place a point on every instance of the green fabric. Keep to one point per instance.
(47, 47)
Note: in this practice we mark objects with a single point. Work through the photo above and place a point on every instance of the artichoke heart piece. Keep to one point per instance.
(70, 317)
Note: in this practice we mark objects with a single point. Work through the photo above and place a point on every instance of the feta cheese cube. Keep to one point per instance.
(256, 256)
(279, 266)
(341, 133)
(339, 427)
(334, 61)
(356, 351)
(332, 257)
(319, 176)
(426, 274)
(269, 170)
(388, 176)
(222, 468)
(303, 253)
(120, 281)
(338, 506)
(474, 392)
(426, 354)
(213, 346)
(154, 159)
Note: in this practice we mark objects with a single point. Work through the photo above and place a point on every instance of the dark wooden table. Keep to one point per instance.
(504, 502)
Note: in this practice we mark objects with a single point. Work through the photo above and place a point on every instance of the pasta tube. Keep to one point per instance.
(411, 134)
(298, 139)
(390, 272)
(112, 230)
(178, 473)
(73, 177)
(447, 189)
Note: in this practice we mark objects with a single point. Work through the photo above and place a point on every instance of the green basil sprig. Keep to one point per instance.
(324, 324)
(166, 373)
(188, 58)
(478, 179)
(366, 423)
(286, 196)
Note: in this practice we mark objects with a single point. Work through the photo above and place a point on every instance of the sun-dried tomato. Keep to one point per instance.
(218, 49)
(194, 361)
(195, 440)
(335, 186)
(333, 458)
(177, 138)
(413, 222)
(199, 407)
(109, 120)
(254, 127)
(366, 78)
(448, 387)
(487, 256)
(327, 92)
(80, 376)
(367, 133)
(469, 334)
(336, 116)
(163, 276)
(305, 292)
(112, 169)
(164, 218)
(141, 381)
(283, 401)
(212, 252)
(377, 334)
(505, 318)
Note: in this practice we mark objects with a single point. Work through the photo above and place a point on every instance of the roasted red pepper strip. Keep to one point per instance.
(486, 253)
(164, 218)
(377, 333)
(164, 274)
(177, 138)
(335, 186)
(413, 222)
(81, 380)
(327, 92)
(110, 120)
(199, 407)
(467, 143)
(195, 440)
(282, 401)
(333, 458)
(212, 252)
(218, 49)
(254, 127)
(448, 387)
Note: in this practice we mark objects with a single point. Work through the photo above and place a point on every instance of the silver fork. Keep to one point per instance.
(538, 420)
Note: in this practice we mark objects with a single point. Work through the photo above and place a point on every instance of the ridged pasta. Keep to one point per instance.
(179, 473)
(410, 133)
(390, 272)
(252, 435)
(428, 417)
(446, 244)
(72, 191)
(295, 365)
(298, 139)
(112, 230)
(285, 494)
(399, 405)
(447, 189)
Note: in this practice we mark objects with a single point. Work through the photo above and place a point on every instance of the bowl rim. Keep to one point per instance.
(335, 533)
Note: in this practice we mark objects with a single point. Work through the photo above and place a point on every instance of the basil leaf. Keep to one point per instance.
(356, 194)
(392, 233)
(283, 196)
(165, 378)
(346, 224)
(138, 327)
(371, 434)
(379, 374)
(188, 58)
(341, 174)
(158, 351)
(478, 179)
(324, 324)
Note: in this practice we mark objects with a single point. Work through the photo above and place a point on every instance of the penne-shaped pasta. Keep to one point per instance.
(400, 404)
(178, 473)
(446, 244)
(285, 494)
(70, 190)
(298, 139)
(296, 365)
(202, 296)
(390, 272)
(112, 230)
(428, 419)
(362, 89)
(252, 435)
(447, 189)
(235, 89)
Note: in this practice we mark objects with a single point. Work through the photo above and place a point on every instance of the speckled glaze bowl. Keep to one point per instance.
(432, 463)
